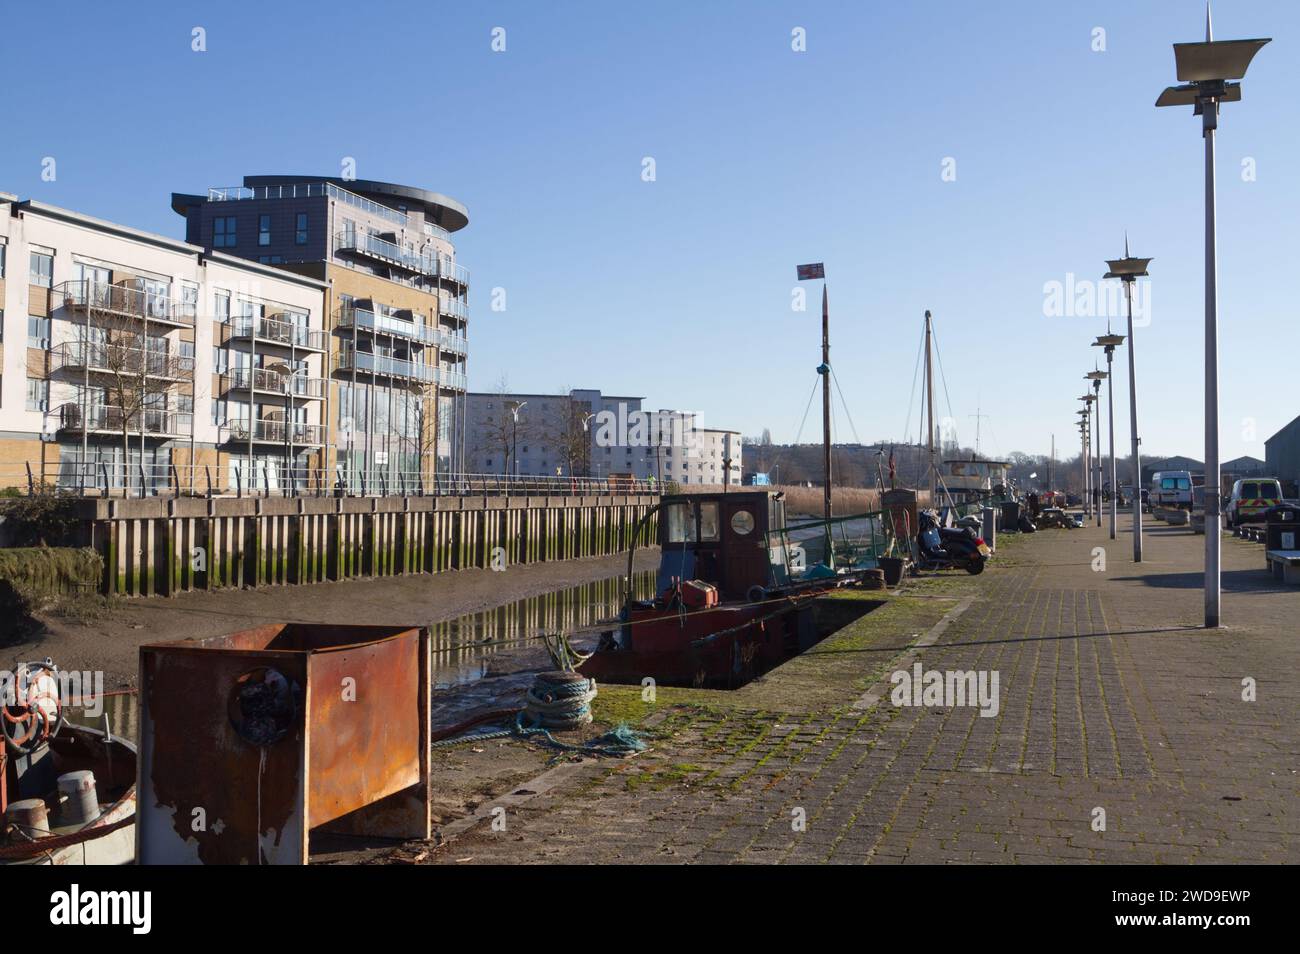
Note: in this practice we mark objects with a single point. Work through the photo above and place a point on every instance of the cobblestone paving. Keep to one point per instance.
(1110, 699)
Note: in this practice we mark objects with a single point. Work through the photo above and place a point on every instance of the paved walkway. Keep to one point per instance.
(1111, 699)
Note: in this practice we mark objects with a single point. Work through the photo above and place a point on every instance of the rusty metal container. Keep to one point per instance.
(251, 740)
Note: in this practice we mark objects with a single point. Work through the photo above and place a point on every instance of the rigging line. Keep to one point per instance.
(845, 404)
(808, 407)
(911, 396)
(944, 378)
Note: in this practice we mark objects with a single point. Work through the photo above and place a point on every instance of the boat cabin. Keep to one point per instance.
(973, 478)
(723, 539)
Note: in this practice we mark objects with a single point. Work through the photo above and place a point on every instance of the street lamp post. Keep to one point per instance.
(515, 407)
(1110, 342)
(1088, 452)
(1128, 270)
(1096, 377)
(1205, 71)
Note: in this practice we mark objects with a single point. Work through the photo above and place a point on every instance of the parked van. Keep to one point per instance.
(1172, 489)
(1250, 497)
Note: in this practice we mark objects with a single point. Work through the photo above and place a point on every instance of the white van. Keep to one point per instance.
(1251, 497)
(1172, 489)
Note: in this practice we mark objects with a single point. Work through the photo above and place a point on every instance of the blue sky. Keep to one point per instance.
(680, 289)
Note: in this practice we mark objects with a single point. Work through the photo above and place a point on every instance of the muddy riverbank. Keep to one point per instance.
(110, 643)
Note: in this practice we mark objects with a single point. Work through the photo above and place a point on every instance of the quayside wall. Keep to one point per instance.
(167, 546)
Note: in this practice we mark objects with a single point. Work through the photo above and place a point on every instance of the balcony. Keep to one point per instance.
(306, 190)
(382, 366)
(271, 331)
(272, 432)
(450, 271)
(455, 344)
(389, 253)
(375, 322)
(453, 308)
(127, 300)
(272, 382)
(106, 419)
(109, 358)
(455, 380)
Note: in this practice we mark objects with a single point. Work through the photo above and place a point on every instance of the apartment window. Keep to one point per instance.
(38, 332)
(42, 269)
(218, 412)
(185, 349)
(263, 230)
(223, 232)
(300, 231)
(220, 364)
(221, 306)
(2, 260)
(38, 394)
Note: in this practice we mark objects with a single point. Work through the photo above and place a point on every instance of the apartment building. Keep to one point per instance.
(137, 360)
(587, 433)
(395, 304)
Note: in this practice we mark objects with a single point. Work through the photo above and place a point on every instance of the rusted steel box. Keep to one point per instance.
(249, 741)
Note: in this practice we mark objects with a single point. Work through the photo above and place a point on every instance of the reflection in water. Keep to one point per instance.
(463, 647)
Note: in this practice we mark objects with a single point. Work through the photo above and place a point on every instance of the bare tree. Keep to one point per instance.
(567, 433)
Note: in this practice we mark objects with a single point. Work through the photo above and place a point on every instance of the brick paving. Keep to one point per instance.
(1111, 698)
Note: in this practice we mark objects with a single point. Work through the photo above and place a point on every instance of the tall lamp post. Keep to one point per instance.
(1110, 343)
(1089, 452)
(1096, 377)
(515, 407)
(1085, 429)
(1205, 71)
(1128, 270)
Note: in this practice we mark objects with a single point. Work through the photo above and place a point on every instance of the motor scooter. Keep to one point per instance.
(945, 548)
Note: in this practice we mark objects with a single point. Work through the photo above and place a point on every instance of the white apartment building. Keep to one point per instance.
(131, 357)
(587, 433)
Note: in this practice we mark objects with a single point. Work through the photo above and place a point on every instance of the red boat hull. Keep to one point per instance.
(726, 645)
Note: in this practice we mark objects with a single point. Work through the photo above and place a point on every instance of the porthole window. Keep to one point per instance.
(742, 522)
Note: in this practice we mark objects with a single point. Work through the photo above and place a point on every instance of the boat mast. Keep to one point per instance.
(929, 412)
(825, 370)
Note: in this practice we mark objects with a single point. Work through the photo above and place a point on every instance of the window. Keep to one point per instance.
(681, 523)
(709, 521)
(221, 306)
(263, 230)
(223, 232)
(300, 231)
(42, 269)
(2, 260)
(38, 332)
(219, 363)
(38, 394)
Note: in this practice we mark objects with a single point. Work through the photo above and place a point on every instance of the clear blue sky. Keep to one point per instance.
(680, 289)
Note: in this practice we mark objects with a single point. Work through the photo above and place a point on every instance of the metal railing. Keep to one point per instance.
(262, 379)
(130, 300)
(269, 476)
(274, 331)
(110, 358)
(307, 190)
(456, 344)
(268, 431)
(105, 418)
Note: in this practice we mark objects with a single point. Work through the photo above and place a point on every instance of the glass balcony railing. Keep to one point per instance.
(121, 359)
(272, 331)
(273, 382)
(307, 190)
(272, 432)
(127, 300)
(453, 307)
(367, 320)
(456, 344)
(385, 366)
(372, 246)
(158, 422)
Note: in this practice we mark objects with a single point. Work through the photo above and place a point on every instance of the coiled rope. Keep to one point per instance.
(559, 700)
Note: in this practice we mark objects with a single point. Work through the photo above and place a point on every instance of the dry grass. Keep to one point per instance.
(808, 500)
